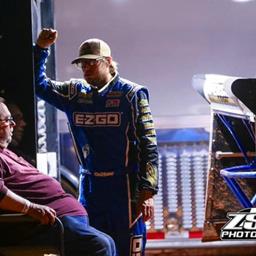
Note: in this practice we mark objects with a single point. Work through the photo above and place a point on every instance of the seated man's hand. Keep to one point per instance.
(47, 37)
(44, 214)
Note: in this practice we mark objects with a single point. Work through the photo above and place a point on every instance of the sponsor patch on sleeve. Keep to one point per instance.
(151, 173)
(143, 103)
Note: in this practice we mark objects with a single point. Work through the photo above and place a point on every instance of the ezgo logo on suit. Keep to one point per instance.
(97, 119)
(241, 226)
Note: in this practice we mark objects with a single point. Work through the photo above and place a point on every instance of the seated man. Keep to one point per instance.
(24, 189)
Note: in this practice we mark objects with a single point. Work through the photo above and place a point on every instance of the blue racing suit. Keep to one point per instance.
(115, 141)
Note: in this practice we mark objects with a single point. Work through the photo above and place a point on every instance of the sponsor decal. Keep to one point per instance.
(152, 140)
(151, 173)
(112, 103)
(148, 125)
(85, 98)
(241, 225)
(150, 132)
(114, 94)
(85, 95)
(222, 99)
(72, 91)
(143, 103)
(97, 119)
(144, 110)
(146, 117)
(85, 101)
(136, 246)
(103, 174)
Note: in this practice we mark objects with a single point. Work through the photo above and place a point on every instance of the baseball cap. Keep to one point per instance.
(92, 49)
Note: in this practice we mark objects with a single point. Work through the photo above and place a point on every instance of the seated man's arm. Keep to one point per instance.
(16, 203)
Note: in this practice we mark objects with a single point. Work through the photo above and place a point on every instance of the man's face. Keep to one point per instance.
(6, 125)
(95, 71)
(20, 123)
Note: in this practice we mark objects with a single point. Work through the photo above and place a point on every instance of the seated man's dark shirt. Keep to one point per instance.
(25, 180)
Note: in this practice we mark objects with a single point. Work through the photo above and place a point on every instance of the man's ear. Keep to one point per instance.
(109, 60)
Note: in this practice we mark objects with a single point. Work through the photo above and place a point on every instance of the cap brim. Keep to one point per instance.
(87, 56)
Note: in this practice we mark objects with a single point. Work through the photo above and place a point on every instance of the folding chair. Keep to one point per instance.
(9, 222)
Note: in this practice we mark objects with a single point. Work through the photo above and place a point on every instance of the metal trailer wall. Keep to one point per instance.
(20, 23)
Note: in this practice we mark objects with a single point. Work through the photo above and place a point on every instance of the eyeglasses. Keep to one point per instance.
(88, 62)
(8, 119)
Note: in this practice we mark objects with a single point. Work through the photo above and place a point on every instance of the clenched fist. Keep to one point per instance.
(47, 37)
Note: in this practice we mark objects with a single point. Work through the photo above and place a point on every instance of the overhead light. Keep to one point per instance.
(242, 1)
(119, 1)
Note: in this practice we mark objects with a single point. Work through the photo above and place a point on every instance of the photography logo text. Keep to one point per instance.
(241, 225)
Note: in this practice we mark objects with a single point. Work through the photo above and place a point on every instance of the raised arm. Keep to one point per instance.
(55, 93)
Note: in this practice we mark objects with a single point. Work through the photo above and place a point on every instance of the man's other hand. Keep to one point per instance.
(145, 205)
(147, 209)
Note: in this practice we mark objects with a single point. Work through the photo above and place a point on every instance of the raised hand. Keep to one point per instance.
(47, 37)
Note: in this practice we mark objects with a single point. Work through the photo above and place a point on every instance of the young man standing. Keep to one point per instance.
(113, 131)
